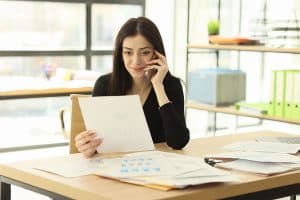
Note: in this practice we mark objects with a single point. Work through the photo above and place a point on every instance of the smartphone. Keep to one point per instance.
(151, 72)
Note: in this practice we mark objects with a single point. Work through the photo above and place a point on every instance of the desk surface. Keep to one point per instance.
(95, 187)
(31, 87)
(48, 92)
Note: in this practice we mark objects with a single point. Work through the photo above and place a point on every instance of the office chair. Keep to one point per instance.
(77, 123)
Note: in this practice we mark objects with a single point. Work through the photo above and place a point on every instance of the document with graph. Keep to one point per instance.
(119, 120)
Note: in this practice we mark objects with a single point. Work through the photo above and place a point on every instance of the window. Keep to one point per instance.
(37, 37)
(60, 28)
(103, 33)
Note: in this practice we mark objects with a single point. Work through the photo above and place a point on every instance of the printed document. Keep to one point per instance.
(119, 120)
(168, 170)
(262, 168)
(72, 166)
(263, 147)
(165, 169)
(257, 156)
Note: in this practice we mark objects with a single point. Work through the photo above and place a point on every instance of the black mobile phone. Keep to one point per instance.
(151, 72)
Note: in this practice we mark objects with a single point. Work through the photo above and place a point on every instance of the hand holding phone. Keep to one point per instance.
(157, 68)
(151, 72)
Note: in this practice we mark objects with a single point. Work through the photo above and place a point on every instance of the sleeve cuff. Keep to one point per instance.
(165, 106)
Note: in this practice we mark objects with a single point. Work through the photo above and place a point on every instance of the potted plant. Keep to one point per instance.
(213, 27)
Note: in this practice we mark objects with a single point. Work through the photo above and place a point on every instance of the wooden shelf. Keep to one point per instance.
(48, 92)
(232, 111)
(256, 48)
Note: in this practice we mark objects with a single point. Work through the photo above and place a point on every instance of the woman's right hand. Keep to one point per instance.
(87, 142)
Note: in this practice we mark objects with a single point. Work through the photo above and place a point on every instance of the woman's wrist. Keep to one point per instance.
(161, 95)
(158, 86)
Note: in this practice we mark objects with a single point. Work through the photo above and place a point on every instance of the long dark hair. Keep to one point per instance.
(121, 80)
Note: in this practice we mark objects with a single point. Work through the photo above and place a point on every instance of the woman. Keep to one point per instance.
(140, 67)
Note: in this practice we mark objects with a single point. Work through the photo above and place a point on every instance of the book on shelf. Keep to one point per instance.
(232, 40)
(279, 92)
(295, 99)
(286, 95)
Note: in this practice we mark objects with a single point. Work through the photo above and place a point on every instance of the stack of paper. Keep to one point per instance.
(263, 168)
(263, 147)
(164, 169)
(154, 169)
(263, 158)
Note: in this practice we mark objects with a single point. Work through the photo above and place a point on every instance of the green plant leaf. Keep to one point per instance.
(213, 27)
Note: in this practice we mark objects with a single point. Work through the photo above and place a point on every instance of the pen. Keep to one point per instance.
(212, 162)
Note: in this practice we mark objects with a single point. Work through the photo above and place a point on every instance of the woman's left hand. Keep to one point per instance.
(160, 65)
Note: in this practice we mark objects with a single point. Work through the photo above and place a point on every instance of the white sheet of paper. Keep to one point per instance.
(264, 168)
(157, 163)
(264, 147)
(176, 170)
(181, 163)
(73, 166)
(119, 120)
(258, 156)
(137, 166)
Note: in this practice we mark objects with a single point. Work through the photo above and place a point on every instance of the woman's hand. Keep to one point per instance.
(87, 143)
(161, 67)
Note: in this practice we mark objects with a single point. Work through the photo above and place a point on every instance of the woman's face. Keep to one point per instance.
(136, 51)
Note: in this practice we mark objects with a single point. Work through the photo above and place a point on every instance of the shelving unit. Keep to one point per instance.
(254, 48)
(215, 48)
(232, 111)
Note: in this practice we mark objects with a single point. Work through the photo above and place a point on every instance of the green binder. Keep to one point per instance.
(279, 92)
(289, 90)
(296, 96)
(289, 94)
(285, 99)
